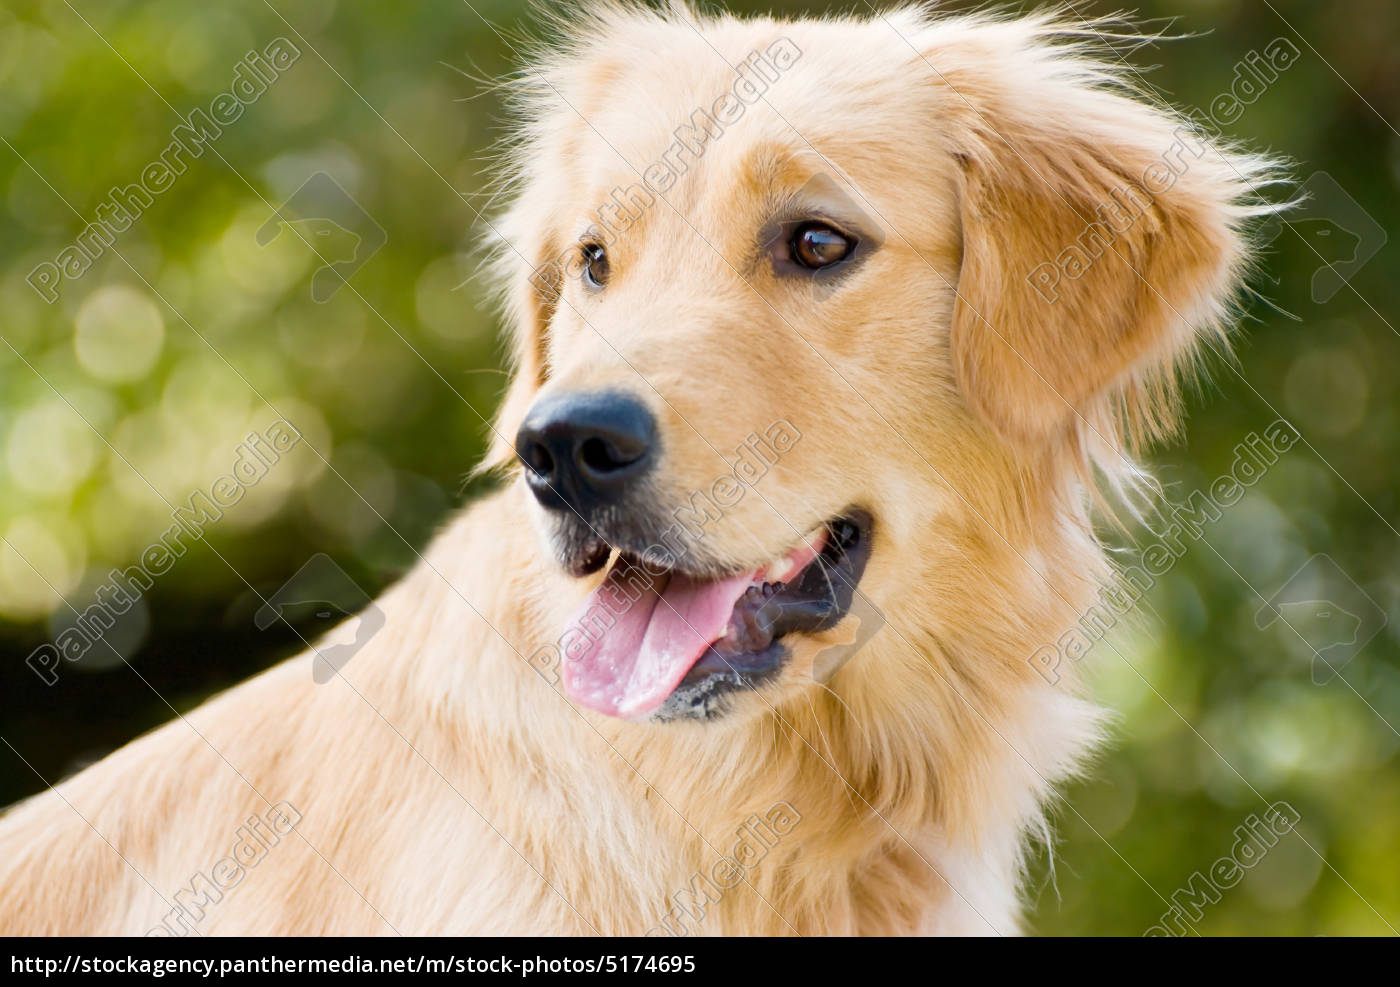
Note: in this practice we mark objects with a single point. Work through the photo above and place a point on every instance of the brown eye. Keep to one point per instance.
(816, 245)
(595, 265)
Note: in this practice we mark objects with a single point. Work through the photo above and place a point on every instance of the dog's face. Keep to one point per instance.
(784, 351)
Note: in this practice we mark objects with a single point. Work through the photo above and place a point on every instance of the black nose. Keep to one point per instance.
(583, 451)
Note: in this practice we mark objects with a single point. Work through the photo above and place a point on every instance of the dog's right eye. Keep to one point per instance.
(595, 265)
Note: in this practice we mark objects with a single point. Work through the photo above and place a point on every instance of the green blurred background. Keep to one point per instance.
(1217, 717)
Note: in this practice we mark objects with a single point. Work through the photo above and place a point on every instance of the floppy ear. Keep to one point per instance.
(1101, 239)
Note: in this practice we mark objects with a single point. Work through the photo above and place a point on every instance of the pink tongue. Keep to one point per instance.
(633, 639)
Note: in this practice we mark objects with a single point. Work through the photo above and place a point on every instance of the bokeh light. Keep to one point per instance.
(120, 332)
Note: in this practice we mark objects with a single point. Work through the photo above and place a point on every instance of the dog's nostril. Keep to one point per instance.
(537, 457)
(601, 456)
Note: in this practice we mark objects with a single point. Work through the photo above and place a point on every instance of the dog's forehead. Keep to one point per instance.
(700, 112)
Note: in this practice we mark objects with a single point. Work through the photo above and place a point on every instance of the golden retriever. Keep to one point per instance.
(801, 449)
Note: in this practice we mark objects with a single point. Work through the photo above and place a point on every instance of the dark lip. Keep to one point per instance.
(814, 601)
(705, 691)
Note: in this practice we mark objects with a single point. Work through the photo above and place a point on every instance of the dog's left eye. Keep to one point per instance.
(816, 245)
(595, 265)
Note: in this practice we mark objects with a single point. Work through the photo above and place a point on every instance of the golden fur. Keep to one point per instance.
(445, 787)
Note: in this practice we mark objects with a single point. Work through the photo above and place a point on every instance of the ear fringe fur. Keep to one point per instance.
(1058, 49)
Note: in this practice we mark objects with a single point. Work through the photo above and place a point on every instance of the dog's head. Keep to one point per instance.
(817, 321)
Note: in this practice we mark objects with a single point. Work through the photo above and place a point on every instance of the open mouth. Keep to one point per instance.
(666, 644)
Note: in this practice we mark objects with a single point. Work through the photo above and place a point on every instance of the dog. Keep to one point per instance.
(798, 466)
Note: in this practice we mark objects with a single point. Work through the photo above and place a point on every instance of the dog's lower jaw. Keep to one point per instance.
(878, 808)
